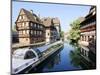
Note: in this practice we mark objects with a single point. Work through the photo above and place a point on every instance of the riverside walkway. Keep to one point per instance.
(18, 45)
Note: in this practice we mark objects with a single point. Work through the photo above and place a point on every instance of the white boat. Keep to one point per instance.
(25, 57)
(22, 58)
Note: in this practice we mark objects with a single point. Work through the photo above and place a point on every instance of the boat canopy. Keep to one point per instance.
(25, 53)
(32, 52)
(45, 47)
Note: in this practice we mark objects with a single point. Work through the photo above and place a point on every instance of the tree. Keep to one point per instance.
(62, 35)
(14, 28)
(74, 33)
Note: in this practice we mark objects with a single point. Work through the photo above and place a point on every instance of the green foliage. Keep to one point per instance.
(74, 33)
(14, 28)
(75, 57)
(62, 34)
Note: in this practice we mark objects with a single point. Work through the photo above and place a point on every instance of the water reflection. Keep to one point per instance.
(49, 63)
(67, 58)
(79, 59)
(75, 57)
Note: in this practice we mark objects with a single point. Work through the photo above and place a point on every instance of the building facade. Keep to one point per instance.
(88, 26)
(51, 31)
(56, 23)
(66, 34)
(88, 33)
(30, 28)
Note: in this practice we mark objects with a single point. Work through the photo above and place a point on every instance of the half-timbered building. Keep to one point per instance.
(30, 28)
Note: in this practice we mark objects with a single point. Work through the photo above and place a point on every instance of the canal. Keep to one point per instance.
(65, 59)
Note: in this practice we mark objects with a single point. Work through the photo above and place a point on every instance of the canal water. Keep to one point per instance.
(67, 58)
(62, 60)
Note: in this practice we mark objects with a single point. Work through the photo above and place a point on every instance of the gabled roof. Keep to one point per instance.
(31, 16)
(56, 21)
(47, 21)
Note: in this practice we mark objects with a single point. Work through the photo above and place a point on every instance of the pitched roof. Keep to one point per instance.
(31, 16)
(47, 21)
(56, 21)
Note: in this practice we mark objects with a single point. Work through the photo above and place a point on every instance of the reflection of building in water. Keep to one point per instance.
(57, 59)
(88, 33)
(85, 51)
(54, 61)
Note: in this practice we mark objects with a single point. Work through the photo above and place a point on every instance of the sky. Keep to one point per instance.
(65, 12)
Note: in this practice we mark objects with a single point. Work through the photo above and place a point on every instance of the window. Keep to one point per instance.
(41, 26)
(23, 17)
(20, 17)
(29, 55)
(34, 25)
(19, 24)
(38, 26)
(23, 31)
(40, 32)
(35, 32)
(26, 24)
(27, 31)
(31, 24)
(20, 32)
(23, 24)
(48, 33)
(31, 32)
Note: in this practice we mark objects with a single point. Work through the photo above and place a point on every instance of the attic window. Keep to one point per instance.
(20, 17)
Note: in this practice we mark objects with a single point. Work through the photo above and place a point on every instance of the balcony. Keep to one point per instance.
(89, 24)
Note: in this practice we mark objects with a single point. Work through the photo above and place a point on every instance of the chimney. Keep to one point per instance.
(31, 11)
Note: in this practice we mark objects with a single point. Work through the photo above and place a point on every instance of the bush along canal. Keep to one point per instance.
(67, 58)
